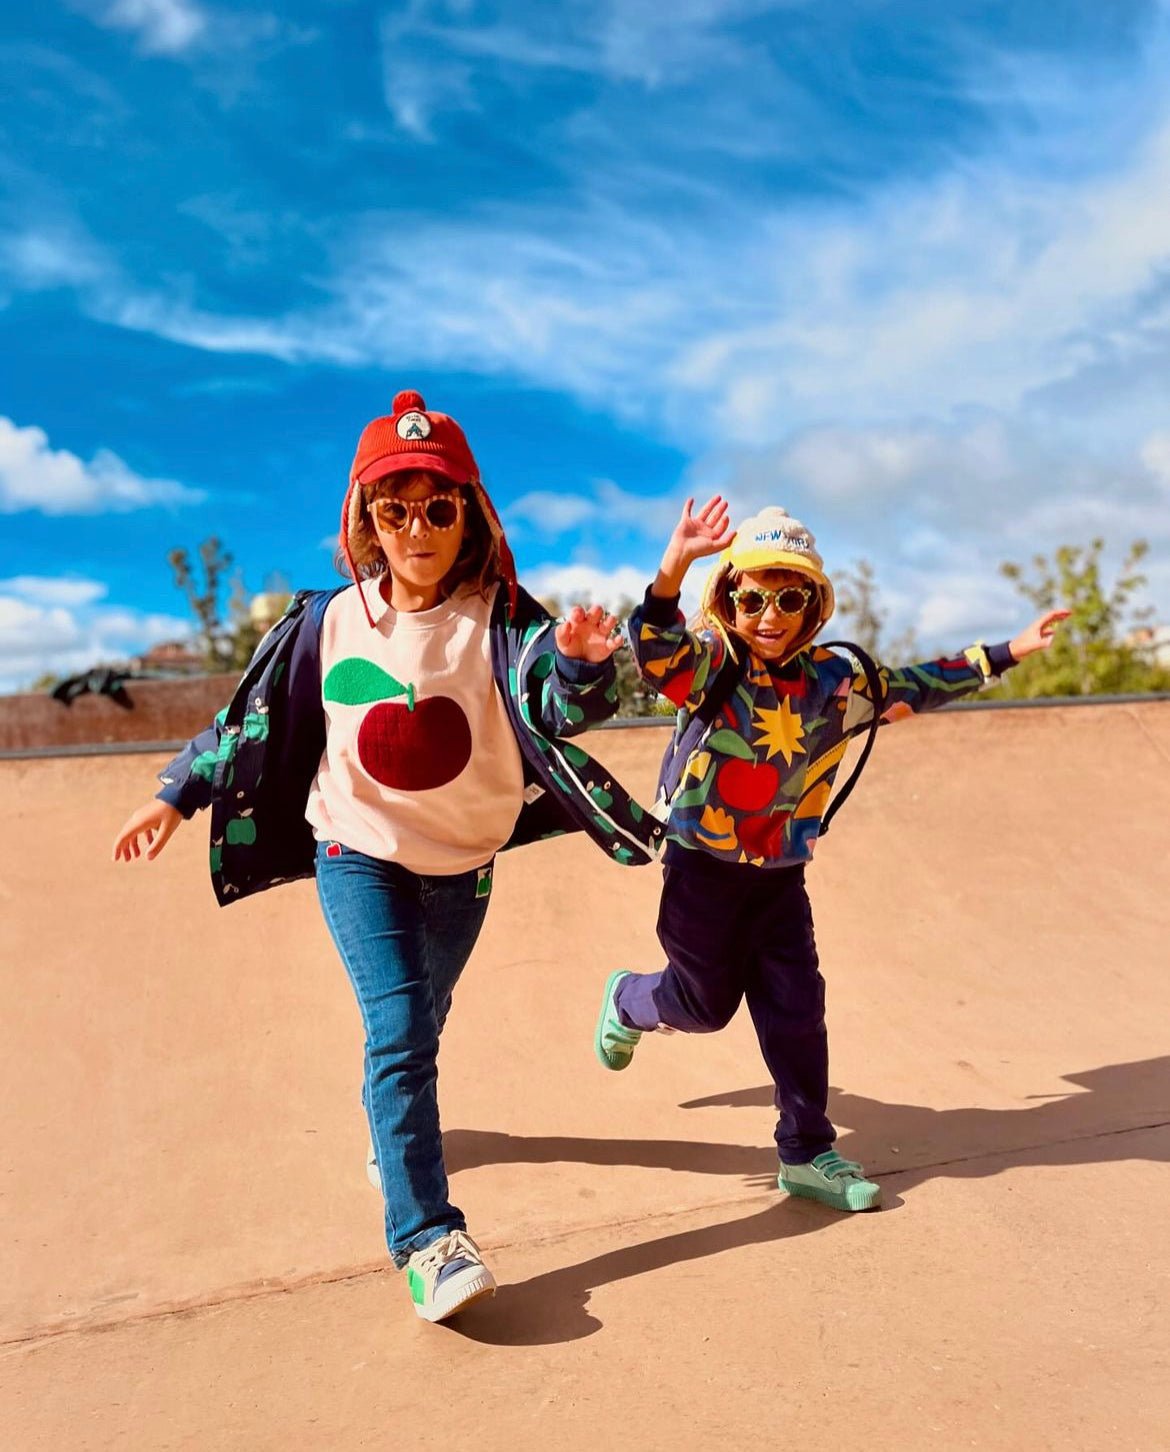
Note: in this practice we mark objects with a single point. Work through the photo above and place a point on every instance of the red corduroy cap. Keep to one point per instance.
(413, 438)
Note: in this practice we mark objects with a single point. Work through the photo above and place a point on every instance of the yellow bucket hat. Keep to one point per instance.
(772, 540)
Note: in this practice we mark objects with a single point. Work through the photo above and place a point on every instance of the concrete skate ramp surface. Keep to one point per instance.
(183, 1141)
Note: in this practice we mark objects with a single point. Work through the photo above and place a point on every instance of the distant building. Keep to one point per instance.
(175, 657)
(265, 609)
(1152, 641)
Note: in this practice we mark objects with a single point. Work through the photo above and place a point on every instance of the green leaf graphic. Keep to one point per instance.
(357, 682)
(730, 743)
(697, 795)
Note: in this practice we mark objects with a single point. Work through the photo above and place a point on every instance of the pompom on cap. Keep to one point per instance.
(410, 437)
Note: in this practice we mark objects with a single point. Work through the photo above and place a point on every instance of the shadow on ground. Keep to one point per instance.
(1085, 1127)
(554, 1307)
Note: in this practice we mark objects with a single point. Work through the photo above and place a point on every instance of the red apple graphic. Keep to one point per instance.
(763, 836)
(411, 747)
(748, 786)
(415, 748)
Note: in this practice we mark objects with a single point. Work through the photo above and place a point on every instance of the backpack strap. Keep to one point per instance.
(870, 671)
(697, 727)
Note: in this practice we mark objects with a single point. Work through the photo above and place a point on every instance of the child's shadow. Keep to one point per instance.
(1078, 1128)
(918, 1143)
(554, 1307)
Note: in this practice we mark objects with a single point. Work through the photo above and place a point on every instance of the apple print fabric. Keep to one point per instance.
(756, 786)
(257, 764)
(420, 765)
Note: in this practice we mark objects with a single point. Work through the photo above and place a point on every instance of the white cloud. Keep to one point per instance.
(979, 289)
(164, 27)
(578, 584)
(56, 625)
(33, 475)
(547, 513)
(52, 255)
(1156, 458)
(433, 67)
(975, 288)
(68, 590)
(608, 508)
(960, 606)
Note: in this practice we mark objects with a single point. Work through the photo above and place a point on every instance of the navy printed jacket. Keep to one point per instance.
(254, 766)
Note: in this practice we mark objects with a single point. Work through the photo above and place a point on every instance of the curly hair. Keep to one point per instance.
(478, 561)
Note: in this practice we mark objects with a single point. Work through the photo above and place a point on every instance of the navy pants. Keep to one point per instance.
(731, 932)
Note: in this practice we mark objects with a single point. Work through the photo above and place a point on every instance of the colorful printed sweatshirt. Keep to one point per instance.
(755, 787)
(255, 765)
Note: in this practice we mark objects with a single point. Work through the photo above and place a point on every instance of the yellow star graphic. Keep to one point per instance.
(780, 730)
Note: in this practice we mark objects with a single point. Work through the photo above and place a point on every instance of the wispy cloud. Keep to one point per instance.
(35, 476)
(163, 27)
(51, 255)
(438, 56)
(979, 288)
(609, 507)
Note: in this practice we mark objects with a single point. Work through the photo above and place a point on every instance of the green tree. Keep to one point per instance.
(1089, 655)
(227, 643)
(214, 635)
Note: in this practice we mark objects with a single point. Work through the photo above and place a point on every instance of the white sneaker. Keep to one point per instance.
(447, 1276)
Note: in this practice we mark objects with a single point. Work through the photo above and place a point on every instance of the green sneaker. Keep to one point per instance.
(832, 1180)
(447, 1276)
(613, 1043)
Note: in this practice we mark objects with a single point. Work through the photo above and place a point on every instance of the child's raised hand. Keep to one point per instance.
(154, 822)
(1039, 635)
(695, 535)
(705, 533)
(588, 634)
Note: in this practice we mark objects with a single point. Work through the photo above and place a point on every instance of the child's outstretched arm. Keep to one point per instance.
(933, 683)
(187, 781)
(186, 790)
(670, 658)
(571, 681)
(154, 824)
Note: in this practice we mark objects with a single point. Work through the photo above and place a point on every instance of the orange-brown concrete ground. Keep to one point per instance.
(193, 1257)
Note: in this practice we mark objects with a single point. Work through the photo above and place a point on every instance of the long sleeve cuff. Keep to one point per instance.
(1001, 658)
(659, 609)
(173, 794)
(576, 671)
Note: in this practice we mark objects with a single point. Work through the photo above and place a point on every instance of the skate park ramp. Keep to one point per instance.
(194, 1258)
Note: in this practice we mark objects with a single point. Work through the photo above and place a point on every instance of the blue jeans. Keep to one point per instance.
(404, 940)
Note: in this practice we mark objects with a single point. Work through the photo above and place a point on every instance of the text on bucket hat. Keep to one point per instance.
(772, 540)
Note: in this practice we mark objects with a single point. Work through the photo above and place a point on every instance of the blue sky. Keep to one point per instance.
(901, 267)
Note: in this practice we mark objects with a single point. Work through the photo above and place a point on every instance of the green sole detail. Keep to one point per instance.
(607, 1060)
(838, 1201)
